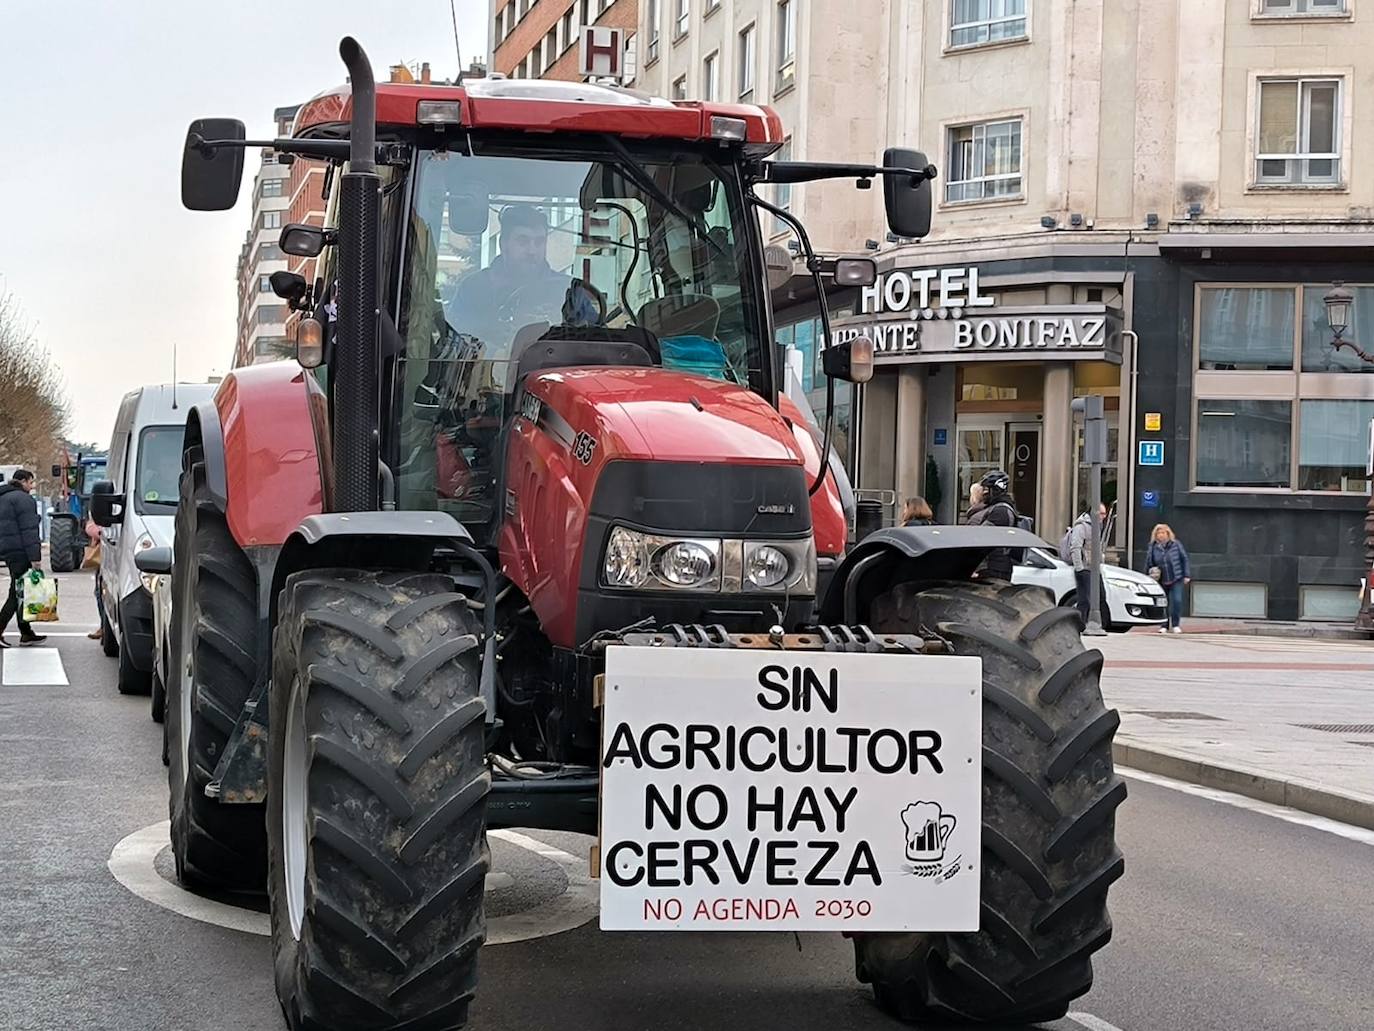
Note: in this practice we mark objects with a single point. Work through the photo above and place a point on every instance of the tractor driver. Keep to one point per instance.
(519, 287)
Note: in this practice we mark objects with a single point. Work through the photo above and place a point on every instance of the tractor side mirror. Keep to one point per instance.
(855, 272)
(851, 361)
(107, 507)
(303, 241)
(156, 560)
(210, 175)
(907, 198)
(289, 286)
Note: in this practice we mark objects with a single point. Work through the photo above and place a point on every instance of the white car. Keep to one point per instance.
(1128, 598)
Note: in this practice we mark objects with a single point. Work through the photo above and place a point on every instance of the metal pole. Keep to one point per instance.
(1094, 627)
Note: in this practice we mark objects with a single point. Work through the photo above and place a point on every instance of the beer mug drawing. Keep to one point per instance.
(927, 831)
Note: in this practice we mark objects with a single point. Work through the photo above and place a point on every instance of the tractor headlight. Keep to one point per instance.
(687, 563)
(643, 561)
(766, 566)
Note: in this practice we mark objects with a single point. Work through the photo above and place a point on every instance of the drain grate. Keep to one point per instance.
(1339, 728)
(1168, 714)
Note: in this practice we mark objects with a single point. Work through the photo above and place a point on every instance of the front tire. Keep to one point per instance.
(376, 804)
(1049, 802)
(210, 676)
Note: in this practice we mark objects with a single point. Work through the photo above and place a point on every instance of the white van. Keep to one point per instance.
(144, 468)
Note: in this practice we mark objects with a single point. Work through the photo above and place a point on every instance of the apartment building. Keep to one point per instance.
(1145, 200)
(261, 313)
(538, 39)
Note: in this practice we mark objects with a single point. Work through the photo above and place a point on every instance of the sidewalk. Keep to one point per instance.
(1286, 720)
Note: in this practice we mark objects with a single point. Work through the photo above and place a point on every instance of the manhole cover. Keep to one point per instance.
(1339, 728)
(1168, 714)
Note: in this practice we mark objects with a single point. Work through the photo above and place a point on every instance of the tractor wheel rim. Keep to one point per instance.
(294, 814)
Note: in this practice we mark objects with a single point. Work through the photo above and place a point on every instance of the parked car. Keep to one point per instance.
(144, 470)
(1128, 598)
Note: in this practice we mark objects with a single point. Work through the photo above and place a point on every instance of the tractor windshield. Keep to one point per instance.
(506, 250)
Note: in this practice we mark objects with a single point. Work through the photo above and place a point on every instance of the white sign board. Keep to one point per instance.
(750, 790)
(602, 54)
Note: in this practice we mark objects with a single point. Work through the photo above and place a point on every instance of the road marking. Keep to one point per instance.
(30, 666)
(132, 864)
(1279, 812)
(1092, 1023)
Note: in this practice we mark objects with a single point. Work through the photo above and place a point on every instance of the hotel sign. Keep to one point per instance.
(933, 315)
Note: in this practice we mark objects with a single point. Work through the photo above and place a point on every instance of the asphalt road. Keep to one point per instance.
(1226, 917)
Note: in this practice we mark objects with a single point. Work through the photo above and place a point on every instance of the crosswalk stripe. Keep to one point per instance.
(32, 666)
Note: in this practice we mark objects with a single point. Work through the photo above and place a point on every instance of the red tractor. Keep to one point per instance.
(536, 414)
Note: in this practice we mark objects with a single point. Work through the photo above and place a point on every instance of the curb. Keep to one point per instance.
(1356, 810)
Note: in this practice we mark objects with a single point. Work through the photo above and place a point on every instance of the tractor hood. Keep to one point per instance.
(663, 416)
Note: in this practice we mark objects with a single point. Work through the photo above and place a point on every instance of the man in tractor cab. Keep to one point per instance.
(520, 287)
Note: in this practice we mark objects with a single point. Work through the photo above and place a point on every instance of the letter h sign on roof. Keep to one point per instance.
(603, 52)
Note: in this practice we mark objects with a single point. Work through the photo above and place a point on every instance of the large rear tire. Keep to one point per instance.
(1049, 804)
(63, 541)
(376, 803)
(214, 624)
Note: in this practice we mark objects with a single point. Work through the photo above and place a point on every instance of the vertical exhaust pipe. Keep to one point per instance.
(355, 366)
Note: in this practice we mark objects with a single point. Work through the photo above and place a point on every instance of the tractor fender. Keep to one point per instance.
(203, 430)
(901, 554)
(361, 540)
(268, 437)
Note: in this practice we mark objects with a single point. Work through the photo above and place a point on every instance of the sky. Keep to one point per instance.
(104, 262)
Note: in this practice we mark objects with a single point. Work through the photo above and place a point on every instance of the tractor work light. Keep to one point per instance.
(723, 128)
(438, 112)
(309, 343)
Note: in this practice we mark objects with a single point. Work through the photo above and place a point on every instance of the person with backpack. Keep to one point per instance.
(1076, 548)
(1167, 561)
(998, 509)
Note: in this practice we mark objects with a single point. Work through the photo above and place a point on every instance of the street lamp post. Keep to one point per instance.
(1340, 303)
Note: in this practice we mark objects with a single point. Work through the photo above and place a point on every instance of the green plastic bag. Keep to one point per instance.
(38, 597)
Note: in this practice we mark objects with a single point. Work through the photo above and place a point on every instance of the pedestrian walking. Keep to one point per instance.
(1081, 555)
(21, 548)
(916, 512)
(92, 560)
(1167, 561)
(997, 508)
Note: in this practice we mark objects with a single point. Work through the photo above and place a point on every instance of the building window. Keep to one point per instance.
(550, 49)
(1299, 132)
(1246, 328)
(746, 61)
(683, 18)
(710, 74)
(587, 16)
(569, 28)
(712, 6)
(975, 23)
(272, 187)
(787, 45)
(1317, 353)
(680, 88)
(274, 347)
(269, 252)
(264, 284)
(271, 314)
(782, 193)
(601, 5)
(271, 219)
(1336, 604)
(1243, 443)
(499, 32)
(1302, 8)
(1333, 445)
(1234, 600)
(651, 27)
(984, 161)
(525, 6)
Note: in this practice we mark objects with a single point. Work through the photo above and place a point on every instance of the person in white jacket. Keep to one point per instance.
(1081, 554)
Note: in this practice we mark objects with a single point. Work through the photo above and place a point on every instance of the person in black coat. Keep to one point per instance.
(997, 509)
(21, 546)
